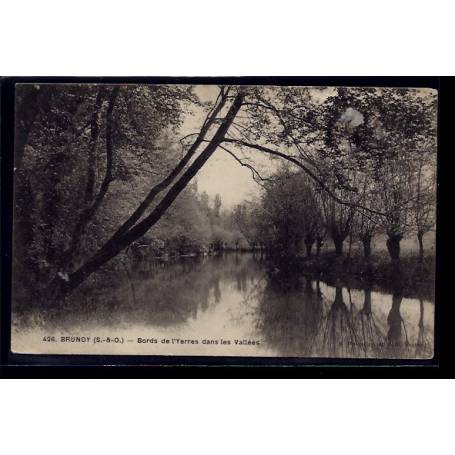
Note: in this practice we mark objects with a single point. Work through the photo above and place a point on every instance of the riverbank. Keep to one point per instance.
(408, 274)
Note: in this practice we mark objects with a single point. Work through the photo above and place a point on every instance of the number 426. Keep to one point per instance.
(49, 339)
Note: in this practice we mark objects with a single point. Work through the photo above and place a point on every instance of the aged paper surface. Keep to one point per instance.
(224, 221)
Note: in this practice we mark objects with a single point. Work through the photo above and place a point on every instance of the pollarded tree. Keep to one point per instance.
(338, 219)
(346, 144)
(386, 145)
(396, 200)
(366, 223)
(312, 217)
(405, 125)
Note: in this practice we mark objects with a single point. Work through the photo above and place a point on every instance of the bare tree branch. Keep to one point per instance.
(254, 172)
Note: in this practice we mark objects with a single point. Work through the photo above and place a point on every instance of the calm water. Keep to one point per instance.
(235, 304)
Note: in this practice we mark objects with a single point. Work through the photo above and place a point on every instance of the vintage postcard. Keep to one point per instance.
(224, 220)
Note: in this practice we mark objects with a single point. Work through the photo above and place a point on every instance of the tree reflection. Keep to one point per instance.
(339, 335)
(289, 313)
(371, 336)
(216, 289)
(293, 315)
(294, 320)
(423, 344)
(165, 293)
(397, 336)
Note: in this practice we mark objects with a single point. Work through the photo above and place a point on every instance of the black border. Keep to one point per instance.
(20, 365)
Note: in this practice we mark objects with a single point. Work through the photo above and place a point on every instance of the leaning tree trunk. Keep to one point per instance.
(116, 244)
(393, 245)
(421, 251)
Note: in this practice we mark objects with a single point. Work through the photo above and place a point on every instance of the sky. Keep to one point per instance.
(221, 174)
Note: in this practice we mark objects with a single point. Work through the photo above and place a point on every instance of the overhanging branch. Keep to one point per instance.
(308, 171)
(254, 172)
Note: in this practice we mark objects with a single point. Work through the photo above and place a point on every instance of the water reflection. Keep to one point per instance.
(337, 325)
(289, 314)
(396, 324)
(243, 296)
(424, 345)
(371, 333)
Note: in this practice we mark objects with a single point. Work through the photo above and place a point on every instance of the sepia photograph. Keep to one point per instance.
(225, 227)
(224, 220)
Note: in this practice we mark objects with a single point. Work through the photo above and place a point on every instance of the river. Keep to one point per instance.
(234, 305)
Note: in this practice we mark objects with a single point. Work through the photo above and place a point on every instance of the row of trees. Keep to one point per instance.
(376, 174)
(293, 212)
(99, 167)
